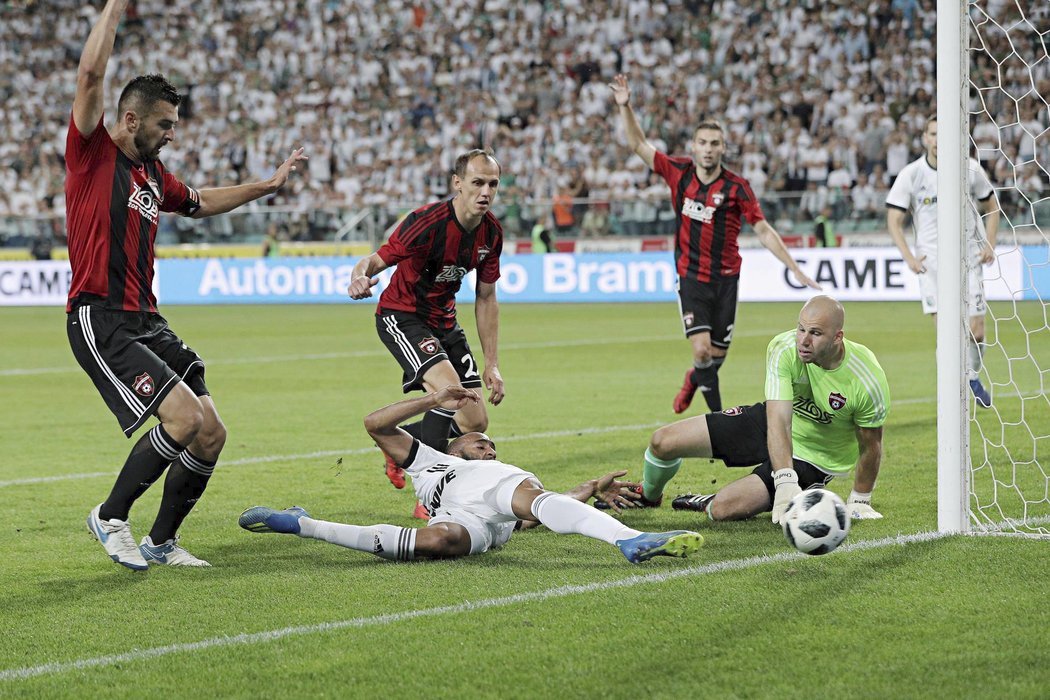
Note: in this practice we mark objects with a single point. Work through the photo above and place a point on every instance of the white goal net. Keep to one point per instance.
(1007, 55)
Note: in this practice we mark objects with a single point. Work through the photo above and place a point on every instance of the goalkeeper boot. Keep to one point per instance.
(677, 543)
(420, 511)
(115, 537)
(263, 519)
(692, 501)
(984, 399)
(169, 553)
(393, 472)
(641, 502)
(684, 397)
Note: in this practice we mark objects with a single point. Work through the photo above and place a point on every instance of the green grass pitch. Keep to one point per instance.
(548, 615)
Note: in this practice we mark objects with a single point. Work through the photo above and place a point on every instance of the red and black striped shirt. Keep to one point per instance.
(113, 205)
(433, 253)
(709, 218)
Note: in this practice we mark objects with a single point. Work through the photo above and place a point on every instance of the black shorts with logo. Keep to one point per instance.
(133, 358)
(708, 307)
(738, 438)
(417, 347)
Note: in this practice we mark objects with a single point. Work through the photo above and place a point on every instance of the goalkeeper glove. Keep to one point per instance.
(859, 507)
(785, 487)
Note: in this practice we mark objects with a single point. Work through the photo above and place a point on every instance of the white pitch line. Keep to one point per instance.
(57, 667)
(338, 453)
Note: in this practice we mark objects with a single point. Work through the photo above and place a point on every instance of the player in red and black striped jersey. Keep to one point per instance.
(434, 248)
(711, 203)
(116, 187)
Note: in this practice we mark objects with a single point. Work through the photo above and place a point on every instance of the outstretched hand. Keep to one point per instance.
(807, 280)
(620, 89)
(454, 397)
(286, 168)
(617, 494)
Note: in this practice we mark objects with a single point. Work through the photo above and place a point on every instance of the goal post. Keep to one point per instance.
(993, 73)
(952, 406)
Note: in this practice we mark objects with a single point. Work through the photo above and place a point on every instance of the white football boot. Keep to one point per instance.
(116, 539)
(169, 553)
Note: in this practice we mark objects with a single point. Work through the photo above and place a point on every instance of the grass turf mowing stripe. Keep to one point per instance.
(468, 606)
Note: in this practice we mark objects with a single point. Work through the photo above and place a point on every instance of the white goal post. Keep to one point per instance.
(993, 464)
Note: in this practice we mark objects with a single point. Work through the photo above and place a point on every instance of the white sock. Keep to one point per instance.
(386, 541)
(565, 515)
(975, 351)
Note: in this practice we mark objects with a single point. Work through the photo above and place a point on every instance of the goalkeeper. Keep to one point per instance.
(826, 402)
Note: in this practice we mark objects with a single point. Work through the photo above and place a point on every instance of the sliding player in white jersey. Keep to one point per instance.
(915, 190)
(475, 502)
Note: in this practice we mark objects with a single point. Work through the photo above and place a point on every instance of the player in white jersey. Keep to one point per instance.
(915, 190)
(475, 501)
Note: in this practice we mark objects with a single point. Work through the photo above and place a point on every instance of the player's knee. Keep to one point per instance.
(186, 423)
(212, 437)
(661, 444)
(446, 542)
(472, 424)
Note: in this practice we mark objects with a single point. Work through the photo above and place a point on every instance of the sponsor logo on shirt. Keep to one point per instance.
(144, 202)
(451, 273)
(698, 211)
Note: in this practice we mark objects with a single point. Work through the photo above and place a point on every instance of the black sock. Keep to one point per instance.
(454, 431)
(437, 423)
(187, 478)
(707, 380)
(151, 454)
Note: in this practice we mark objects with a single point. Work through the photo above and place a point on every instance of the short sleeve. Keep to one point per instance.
(899, 196)
(412, 233)
(84, 152)
(750, 208)
(488, 269)
(178, 198)
(780, 363)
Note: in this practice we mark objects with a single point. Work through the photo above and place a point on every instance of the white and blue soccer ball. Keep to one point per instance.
(816, 521)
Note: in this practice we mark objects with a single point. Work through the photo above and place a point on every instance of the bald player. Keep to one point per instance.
(826, 402)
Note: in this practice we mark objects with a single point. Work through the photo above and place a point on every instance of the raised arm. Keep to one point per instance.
(361, 277)
(89, 101)
(219, 200)
(486, 311)
(382, 424)
(771, 240)
(636, 140)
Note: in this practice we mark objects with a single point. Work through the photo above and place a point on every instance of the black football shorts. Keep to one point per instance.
(708, 307)
(417, 347)
(133, 358)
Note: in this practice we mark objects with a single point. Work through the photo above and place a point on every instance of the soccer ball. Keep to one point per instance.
(816, 521)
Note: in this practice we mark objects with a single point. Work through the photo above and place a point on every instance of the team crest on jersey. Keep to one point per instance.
(483, 252)
(143, 385)
(144, 202)
(429, 345)
(717, 198)
(836, 401)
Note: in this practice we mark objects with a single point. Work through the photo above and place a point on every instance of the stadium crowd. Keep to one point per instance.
(822, 99)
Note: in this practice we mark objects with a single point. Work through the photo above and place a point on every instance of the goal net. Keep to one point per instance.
(1004, 47)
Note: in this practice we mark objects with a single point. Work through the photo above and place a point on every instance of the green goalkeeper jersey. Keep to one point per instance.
(828, 404)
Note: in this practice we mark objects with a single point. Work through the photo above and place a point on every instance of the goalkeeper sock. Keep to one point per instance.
(385, 541)
(183, 486)
(706, 379)
(565, 515)
(655, 475)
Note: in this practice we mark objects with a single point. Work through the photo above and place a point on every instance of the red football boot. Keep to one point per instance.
(395, 473)
(420, 512)
(685, 394)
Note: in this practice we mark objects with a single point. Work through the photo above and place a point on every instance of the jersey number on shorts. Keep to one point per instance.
(471, 370)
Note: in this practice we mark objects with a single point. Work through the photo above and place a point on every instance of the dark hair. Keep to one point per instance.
(145, 91)
(460, 168)
(709, 124)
